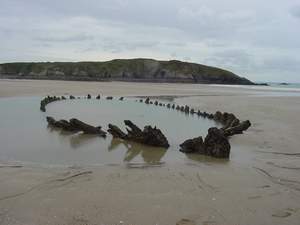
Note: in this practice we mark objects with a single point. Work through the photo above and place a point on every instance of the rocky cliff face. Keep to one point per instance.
(123, 69)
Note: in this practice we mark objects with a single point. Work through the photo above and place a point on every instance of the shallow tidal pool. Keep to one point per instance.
(26, 137)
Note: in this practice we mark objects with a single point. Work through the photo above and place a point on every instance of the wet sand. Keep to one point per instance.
(257, 186)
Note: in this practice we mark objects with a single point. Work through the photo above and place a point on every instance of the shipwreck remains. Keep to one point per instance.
(215, 144)
(75, 125)
(47, 100)
(148, 136)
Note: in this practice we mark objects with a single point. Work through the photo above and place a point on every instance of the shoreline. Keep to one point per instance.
(256, 186)
(17, 87)
(129, 80)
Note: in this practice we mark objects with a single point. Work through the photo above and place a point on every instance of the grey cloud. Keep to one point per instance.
(277, 67)
(175, 44)
(64, 38)
(280, 68)
(232, 58)
(173, 55)
(295, 11)
(118, 46)
(282, 64)
(249, 37)
(186, 58)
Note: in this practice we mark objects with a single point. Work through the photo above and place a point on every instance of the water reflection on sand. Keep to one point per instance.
(39, 143)
(149, 155)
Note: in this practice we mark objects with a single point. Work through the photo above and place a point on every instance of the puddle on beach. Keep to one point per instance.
(26, 137)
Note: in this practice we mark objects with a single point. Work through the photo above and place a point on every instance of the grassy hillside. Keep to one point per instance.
(122, 69)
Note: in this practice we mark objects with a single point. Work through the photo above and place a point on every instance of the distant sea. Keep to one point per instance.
(288, 85)
(273, 89)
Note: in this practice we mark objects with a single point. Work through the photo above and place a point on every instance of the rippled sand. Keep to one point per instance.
(259, 185)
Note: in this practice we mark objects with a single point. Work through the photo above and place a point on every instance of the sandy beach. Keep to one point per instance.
(260, 184)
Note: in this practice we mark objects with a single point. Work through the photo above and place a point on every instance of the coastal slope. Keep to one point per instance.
(143, 70)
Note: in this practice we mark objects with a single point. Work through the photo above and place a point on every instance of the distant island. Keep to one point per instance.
(134, 70)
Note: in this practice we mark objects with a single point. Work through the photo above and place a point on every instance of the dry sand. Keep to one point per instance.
(255, 187)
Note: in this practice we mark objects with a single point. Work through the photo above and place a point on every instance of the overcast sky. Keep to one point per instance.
(253, 38)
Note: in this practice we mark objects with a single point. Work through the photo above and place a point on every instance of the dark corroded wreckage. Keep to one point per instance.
(215, 144)
(149, 135)
(75, 125)
(48, 100)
